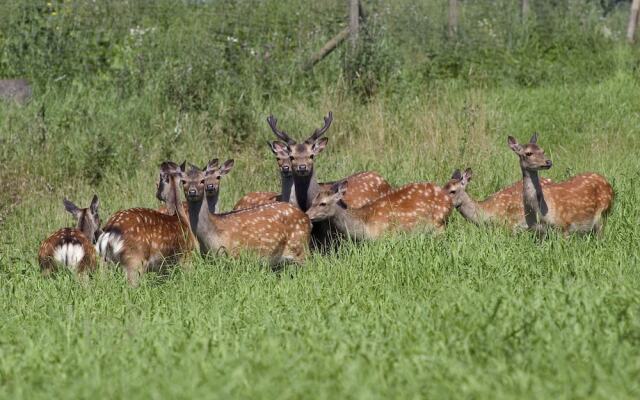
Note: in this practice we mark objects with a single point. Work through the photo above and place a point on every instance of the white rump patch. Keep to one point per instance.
(69, 254)
(109, 246)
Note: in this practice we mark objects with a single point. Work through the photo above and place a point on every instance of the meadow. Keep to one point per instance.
(477, 312)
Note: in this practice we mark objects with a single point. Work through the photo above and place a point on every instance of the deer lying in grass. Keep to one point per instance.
(277, 231)
(142, 239)
(298, 178)
(403, 209)
(73, 247)
(502, 207)
(578, 204)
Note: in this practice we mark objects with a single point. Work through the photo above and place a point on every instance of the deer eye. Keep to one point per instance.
(291, 158)
(323, 204)
(528, 154)
(452, 191)
(202, 182)
(312, 156)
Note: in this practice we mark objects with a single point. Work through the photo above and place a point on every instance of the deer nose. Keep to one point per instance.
(286, 168)
(192, 192)
(302, 167)
(548, 163)
(210, 187)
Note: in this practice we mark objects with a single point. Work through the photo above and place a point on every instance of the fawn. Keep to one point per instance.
(278, 231)
(73, 247)
(142, 239)
(504, 206)
(405, 208)
(298, 178)
(578, 204)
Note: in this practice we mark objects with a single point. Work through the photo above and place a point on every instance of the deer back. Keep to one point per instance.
(506, 204)
(255, 199)
(364, 187)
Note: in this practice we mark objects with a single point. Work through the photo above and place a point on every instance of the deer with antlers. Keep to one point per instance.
(502, 207)
(578, 204)
(73, 247)
(142, 239)
(278, 231)
(403, 209)
(297, 173)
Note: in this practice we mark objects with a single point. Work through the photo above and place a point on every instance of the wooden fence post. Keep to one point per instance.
(633, 21)
(453, 18)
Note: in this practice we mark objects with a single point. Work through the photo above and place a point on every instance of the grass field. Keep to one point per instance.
(473, 313)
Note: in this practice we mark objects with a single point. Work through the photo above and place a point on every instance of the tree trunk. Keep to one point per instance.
(453, 18)
(327, 48)
(633, 21)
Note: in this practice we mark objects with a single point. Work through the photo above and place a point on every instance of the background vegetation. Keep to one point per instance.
(120, 86)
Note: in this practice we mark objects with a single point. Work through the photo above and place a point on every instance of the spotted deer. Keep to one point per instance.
(73, 247)
(142, 239)
(297, 173)
(503, 207)
(578, 204)
(277, 231)
(403, 209)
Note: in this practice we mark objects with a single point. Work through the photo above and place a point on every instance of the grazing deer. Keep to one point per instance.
(73, 247)
(405, 208)
(504, 206)
(142, 239)
(278, 231)
(297, 173)
(578, 204)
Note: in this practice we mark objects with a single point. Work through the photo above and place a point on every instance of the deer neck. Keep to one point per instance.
(200, 222)
(287, 187)
(212, 203)
(533, 197)
(86, 228)
(470, 209)
(351, 222)
(174, 205)
(306, 188)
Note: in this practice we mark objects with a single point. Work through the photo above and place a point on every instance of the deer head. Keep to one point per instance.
(326, 202)
(456, 187)
(170, 175)
(532, 157)
(300, 155)
(212, 176)
(88, 220)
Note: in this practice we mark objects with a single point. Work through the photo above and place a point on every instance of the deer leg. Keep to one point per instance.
(134, 267)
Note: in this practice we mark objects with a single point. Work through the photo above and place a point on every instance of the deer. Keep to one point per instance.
(73, 247)
(278, 231)
(503, 207)
(577, 205)
(142, 239)
(403, 209)
(297, 173)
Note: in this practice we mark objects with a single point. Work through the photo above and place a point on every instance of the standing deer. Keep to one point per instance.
(299, 183)
(578, 204)
(403, 209)
(503, 207)
(142, 239)
(73, 247)
(278, 231)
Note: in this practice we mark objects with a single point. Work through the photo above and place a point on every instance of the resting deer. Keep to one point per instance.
(503, 207)
(278, 231)
(578, 204)
(73, 247)
(297, 173)
(142, 239)
(405, 209)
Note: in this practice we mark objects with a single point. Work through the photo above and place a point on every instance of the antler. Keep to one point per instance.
(319, 132)
(272, 121)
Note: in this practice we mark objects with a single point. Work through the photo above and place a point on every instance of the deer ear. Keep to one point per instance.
(466, 177)
(70, 207)
(95, 203)
(279, 148)
(457, 175)
(340, 188)
(213, 164)
(319, 145)
(226, 167)
(514, 145)
(534, 138)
